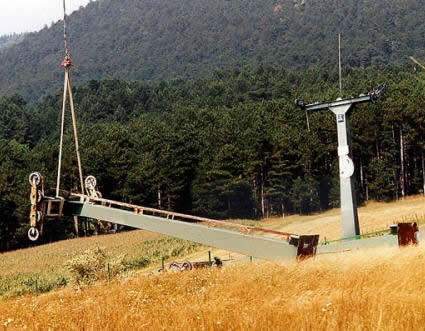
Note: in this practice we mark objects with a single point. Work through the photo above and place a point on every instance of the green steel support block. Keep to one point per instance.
(250, 245)
(382, 241)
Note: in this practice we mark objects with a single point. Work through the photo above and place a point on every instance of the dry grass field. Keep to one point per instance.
(374, 216)
(19, 270)
(370, 289)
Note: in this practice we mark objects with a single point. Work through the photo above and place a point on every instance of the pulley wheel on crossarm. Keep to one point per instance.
(35, 178)
(90, 182)
(33, 234)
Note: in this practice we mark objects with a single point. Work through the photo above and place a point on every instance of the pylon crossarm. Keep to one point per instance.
(204, 231)
(175, 216)
(338, 103)
(370, 97)
(247, 244)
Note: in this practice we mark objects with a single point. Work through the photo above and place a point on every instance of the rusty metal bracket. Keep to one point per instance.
(187, 265)
(54, 207)
(306, 245)
(407, 234)
(41, 206)
(36, 181)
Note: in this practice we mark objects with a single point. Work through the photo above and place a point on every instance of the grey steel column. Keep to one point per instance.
(349, 216)
(341, 108)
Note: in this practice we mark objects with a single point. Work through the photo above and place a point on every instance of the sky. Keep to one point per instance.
(31, 15)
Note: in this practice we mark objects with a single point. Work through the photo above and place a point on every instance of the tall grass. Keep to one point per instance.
(373, 289)
(44, 268)
(374, 216)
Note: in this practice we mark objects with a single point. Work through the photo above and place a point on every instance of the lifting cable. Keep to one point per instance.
(67, 89)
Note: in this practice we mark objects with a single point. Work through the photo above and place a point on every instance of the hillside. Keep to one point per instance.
(230, 146)
(7, 41)
(374, 216)
(351, 290)
(154, 40)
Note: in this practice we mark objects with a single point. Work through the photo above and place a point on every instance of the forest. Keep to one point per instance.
(232, 145)
(9, 40)
(150, 40)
